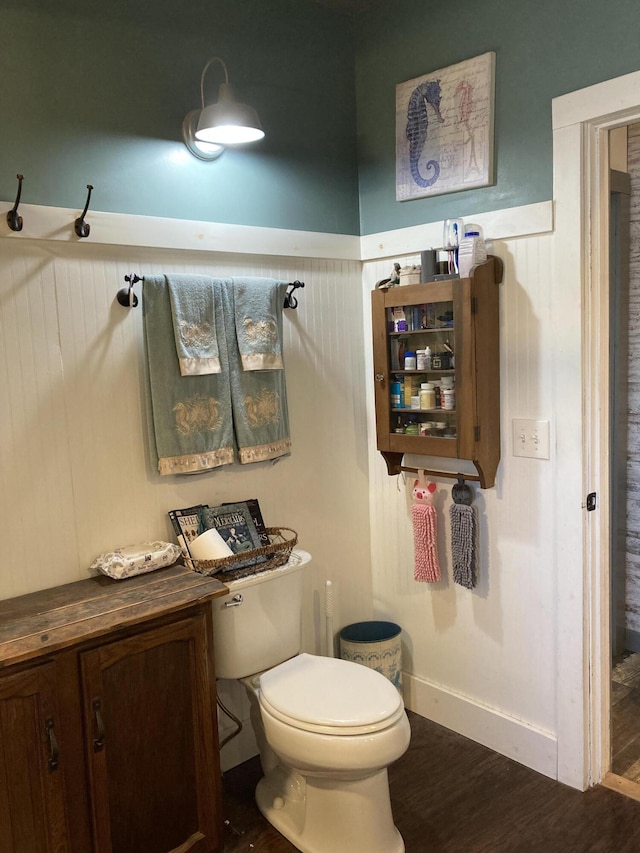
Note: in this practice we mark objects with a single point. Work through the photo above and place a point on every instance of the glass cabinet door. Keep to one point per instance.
(422, 387)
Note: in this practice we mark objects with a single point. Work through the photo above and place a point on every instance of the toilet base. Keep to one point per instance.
(330, 815)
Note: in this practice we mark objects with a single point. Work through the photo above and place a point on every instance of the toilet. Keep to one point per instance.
(327, 729)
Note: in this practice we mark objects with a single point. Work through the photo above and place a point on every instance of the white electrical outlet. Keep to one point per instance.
(531, 438)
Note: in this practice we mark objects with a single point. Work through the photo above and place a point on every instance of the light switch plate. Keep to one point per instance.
(531, 438)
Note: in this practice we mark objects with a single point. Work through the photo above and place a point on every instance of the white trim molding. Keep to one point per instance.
(123, 229)
(517, 739)
(612, 98)
(523, 221)
(580, 121)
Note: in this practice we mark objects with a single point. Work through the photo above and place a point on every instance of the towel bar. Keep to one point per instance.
(449, 475)
(127, 298)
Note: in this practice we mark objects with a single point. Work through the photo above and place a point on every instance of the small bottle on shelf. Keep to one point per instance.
(410, 361)
(472, 251)
(427, 396)
(448, 398)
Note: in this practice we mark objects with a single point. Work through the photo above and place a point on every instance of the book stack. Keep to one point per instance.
(239, 524)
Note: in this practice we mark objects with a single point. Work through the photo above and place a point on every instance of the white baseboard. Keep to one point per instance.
(514, 738)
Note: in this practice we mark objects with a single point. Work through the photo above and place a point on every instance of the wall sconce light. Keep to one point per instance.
(227, 122)
(201, 150)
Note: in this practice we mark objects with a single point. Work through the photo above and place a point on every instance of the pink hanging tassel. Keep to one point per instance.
(425, 536)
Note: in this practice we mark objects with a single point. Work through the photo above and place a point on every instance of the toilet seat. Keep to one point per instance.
(330, 696)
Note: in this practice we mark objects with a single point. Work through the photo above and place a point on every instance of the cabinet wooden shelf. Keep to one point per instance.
(108, 732)
(471, 430)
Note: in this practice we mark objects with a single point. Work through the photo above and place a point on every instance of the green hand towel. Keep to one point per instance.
(191, 417)
(258, 397)
(193, 311)
(257, 310)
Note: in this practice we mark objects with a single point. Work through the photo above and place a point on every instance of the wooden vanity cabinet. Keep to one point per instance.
(458, 316)
(108, 726)
(32, 807)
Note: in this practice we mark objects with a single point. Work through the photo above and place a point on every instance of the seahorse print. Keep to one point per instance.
(417, 125)
(263, 409)
(464, 93)
(197, 414)
(260, 331)
(194, 334)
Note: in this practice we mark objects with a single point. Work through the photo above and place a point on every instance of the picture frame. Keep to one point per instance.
(445, 129)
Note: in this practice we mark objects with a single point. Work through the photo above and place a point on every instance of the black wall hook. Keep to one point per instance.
(14, 221)
(461, 493)
(290, 300)
(83, 228)
(125, 296)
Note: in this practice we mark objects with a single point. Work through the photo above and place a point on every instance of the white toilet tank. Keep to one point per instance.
(263, 628)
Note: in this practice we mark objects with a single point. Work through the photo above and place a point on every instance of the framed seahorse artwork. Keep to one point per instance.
(444, 129)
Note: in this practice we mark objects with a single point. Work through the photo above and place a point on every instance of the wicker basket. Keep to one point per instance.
(282, 542)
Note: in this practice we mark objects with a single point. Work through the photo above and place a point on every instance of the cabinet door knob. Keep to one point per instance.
(379, 377)
(54, 753)
(98, 741)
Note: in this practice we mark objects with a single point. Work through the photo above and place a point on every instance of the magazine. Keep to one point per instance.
(256, 514)
(236, 526)
(187, 525)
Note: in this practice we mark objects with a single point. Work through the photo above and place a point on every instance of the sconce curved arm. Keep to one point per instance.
(204, 71)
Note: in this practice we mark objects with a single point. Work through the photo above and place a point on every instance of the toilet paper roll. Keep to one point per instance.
(209, 546)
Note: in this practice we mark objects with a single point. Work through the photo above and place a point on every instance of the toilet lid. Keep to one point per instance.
(330, 694)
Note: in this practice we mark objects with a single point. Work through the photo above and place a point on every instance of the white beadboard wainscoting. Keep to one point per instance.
(75, 478)
(483, 662)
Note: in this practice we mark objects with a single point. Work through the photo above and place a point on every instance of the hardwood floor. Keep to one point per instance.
(451, 795)
(625, 717)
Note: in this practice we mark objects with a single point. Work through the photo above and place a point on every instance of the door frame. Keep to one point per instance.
(581, 124)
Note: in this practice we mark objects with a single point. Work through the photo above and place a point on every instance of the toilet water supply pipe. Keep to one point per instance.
(328, 612)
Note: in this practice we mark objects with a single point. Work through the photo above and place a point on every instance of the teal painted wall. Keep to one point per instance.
(544, 48)
(95, 93)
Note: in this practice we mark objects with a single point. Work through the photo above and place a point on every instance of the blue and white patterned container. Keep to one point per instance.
(376, 645)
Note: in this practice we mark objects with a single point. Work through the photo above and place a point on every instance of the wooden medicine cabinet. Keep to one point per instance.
(453, 326)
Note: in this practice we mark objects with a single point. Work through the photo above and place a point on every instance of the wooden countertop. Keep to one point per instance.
(53, 619)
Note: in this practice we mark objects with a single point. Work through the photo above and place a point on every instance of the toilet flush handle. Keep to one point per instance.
(235, 601)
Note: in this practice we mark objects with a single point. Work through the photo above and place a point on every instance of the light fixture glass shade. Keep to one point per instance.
(228, 122)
